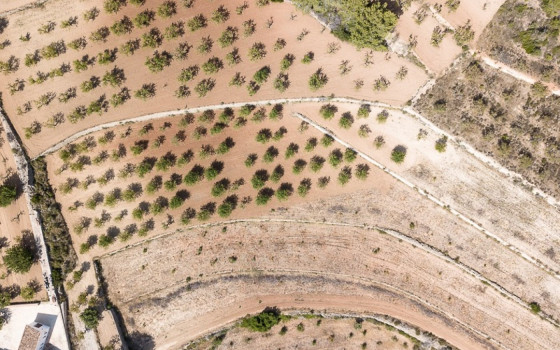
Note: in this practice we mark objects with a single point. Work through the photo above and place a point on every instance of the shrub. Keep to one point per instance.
(158, 61)
(250, 160)
(299, 166)
(214, 170)
(362, 171)
(381, 84)
(346, 121)
(130, 47)
(281, 82)
(228, 36)
(91, 14)
(174, 30)
(167, 9)
(264, 196)
(263, 136)
(220, 187)
(213, 65)
(261, 76)
(463, 34)
(205, 45)
(197, 22)
(279, 44)
(249, 27)
(206, 211)
(382, 116)
(308, 58)
(187, 215)
(291, 150)
(188, 74)
(344, 175)
(277, 174)
(304, 187)
(114, 77)
(204, 86)
(195, 175)
(257, 51)
(146, 91)
(259, 179)
(327, 140)
(270, 154)
(226, 208)
(122, 26)
(8, 194)
(176, 202)
(18, 259)
(318, 80)
(364, 111)
(220, 15)
(152, 39)
(285, 191)
(398, 154)
(441, 144)
(144, 18)
(90, 317)
(233, 57)
(54, 49)
(323, 181)
(225, 146)
(316, 163)
(350, 155)
(113, 6)
(100, 35)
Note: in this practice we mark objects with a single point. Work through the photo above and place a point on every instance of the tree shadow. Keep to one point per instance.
(29, 242)
(14, 181)
(141, 341)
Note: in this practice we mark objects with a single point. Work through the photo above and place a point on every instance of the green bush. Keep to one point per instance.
(90, 317)
(18, 259)
(8, 194)
(398, 154)
(264, 321)
(363, 23)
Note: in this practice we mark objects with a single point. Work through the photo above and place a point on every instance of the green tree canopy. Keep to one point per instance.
(7, 195)
(18, 259)
(365, 23)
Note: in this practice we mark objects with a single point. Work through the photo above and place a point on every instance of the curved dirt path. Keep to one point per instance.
(220, 318)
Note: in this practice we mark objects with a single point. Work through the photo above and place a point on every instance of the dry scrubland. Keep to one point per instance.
(508, 119)
(41, 119)
(15, 226)
(310, 331)
(524, 35)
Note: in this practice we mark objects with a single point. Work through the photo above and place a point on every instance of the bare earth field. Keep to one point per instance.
(136, 73)
(315, 250)
(14, 224)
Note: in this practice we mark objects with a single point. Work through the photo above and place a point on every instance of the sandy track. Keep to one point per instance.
(358, 304)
